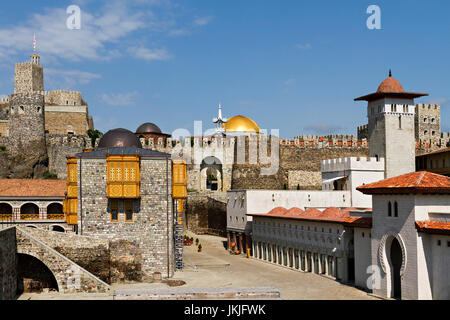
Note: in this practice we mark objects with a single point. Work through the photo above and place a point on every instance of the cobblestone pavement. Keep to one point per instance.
(214, 267)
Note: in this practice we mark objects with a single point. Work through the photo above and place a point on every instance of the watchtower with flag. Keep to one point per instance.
(29, 76)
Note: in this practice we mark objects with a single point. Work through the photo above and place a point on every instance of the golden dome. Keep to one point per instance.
(241, 124)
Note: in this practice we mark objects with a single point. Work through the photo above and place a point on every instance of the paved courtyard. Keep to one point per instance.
(214, 267)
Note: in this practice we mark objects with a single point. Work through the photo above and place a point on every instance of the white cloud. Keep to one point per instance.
(303, 46)
(179, 32)
(202, 21)
(149, 54)
(68, 79)
(120, 99)
(289, 82)
(102, 36)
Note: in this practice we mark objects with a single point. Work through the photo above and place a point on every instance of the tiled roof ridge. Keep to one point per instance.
(420, 178)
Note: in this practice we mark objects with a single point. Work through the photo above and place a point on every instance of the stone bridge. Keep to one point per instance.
(19, 246)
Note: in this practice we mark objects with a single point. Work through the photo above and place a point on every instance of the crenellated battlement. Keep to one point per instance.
(429, 145)
(63, 98)
(305, 141)
(334, 140)
(352, 163)
(424, 106)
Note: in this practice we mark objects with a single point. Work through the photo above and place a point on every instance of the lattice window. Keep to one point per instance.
(123, 180)
(70, 204)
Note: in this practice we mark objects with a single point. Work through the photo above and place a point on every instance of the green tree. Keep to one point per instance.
(94, 135)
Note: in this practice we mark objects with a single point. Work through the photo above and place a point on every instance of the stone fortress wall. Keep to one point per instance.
(49, 124)
(299, 161)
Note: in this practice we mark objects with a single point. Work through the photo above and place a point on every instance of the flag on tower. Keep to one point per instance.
(34, 43)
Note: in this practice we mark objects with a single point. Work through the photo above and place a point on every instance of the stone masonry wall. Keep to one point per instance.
(60, 146)
(112, 261)
(8, 270)
(60, 122)
(27, 123)
(29, 77)
(206, 213)
(69, 276)
(90, 253)
(63, 98)
(151, 229)
(302, 165)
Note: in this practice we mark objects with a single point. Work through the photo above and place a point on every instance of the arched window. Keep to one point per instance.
(399, 122)
(29, 211)
(395, 209)
(5, 211)
(389, 209)
(55, 211)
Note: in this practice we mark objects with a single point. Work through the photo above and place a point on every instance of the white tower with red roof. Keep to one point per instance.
(391, 126)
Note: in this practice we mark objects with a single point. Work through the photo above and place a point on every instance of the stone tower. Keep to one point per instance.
(428, 123)
(29, 76)
(27, 116)
(391, 126)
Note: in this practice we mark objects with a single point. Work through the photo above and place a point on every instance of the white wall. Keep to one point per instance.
(262, 201)
(363, 258)
(359, 171)
(440, 260)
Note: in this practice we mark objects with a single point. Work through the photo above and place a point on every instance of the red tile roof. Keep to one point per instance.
(415, 182)
(390, 85)
(331, 214)
(358, 222)
(277, 211)
(435, 227)
(32, 188)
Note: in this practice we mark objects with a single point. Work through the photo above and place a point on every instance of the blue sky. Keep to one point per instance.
(289, 65)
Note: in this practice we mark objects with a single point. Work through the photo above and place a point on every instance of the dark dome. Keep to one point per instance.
(119, 138)
(148, 127)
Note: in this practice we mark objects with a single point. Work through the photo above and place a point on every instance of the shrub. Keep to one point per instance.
(50, 176)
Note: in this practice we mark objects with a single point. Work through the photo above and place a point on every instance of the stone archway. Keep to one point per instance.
(55, 211)
(211, 174)
(33, 275)
(29, 211)
(6, 211)
(395, 259)
(58, 228)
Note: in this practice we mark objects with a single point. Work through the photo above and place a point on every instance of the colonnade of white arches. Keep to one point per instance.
(301, 259)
